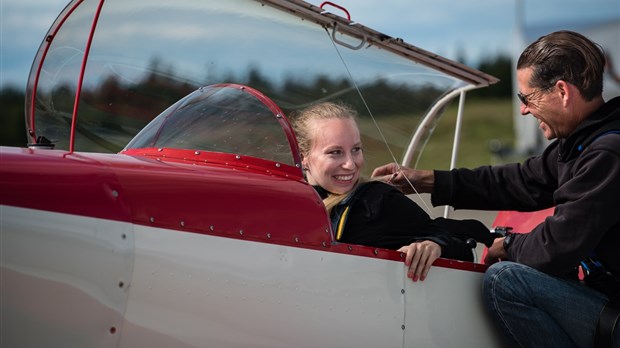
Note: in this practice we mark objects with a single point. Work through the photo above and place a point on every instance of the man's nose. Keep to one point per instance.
(524, 109)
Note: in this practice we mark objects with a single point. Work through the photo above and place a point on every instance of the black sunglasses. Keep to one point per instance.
(524, 98)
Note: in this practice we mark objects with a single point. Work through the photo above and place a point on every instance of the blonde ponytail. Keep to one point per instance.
(333, 199)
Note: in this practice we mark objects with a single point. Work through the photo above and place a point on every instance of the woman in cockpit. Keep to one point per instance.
(372, 213)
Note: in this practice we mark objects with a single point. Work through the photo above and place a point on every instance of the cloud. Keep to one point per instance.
(447, 27)
(474, 27)
(23, 25)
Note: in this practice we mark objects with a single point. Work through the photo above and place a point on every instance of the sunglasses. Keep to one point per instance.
(524, 98)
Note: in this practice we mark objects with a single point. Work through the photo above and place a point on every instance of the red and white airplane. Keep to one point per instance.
(200, 231)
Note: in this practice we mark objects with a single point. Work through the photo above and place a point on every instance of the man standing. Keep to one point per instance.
(534, 293)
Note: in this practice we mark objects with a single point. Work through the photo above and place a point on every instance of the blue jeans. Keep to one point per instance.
(535, 309)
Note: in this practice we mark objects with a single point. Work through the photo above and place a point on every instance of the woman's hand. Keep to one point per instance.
(419, 257)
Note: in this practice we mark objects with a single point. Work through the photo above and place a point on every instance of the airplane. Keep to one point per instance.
(161, 202)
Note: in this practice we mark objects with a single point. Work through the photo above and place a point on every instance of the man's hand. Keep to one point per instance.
(403, 178)
(496, 252)
(419, 258)
(386, 170)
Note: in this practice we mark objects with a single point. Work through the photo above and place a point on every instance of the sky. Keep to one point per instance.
(457, 29)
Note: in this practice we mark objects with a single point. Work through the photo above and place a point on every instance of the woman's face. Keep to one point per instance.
(335, 159)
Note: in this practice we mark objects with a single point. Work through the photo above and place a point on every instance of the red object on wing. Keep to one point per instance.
(522, 222)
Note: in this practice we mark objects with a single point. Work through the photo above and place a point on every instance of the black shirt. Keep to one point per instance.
(579, 175)
(379, 215)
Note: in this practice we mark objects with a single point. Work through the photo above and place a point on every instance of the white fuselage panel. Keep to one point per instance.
(80, 281)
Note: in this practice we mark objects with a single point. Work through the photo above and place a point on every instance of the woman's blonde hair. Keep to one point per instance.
(303, 121)
(305, 131)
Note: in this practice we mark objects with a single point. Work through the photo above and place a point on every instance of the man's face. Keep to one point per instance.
(545, 106)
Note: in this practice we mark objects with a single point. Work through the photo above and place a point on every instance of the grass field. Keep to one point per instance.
(485, 122)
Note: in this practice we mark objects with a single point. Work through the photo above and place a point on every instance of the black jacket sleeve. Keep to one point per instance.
(384, 217)
(584, 193)
(527, 186)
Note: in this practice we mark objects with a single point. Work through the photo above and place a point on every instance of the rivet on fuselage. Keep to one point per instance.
(212, 228)
(238, 157)
(160, 149)
(182, 223)
(268, 235)
(197, 153)
(278, 165)
(296, 239)
(241, 232)
(114, 193)
(376, 251)
(152, 219)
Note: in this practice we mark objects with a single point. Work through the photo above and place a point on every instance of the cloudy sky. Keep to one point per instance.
(471, 29)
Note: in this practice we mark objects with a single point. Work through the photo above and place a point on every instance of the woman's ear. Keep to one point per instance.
(304, 163)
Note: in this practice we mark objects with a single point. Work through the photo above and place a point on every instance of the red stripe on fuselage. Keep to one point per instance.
(201, 198)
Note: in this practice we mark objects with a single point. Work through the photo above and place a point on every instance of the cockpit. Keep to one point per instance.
(105, 72)
(224, 118)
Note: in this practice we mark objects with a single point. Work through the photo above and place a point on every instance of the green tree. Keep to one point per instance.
(13, 130)
(500, 67)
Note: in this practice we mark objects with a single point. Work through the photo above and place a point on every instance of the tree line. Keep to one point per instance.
(155, 93)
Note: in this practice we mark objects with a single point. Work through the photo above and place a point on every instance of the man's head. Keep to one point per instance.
(560, 78)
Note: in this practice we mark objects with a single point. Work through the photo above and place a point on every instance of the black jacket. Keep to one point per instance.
(381, 216)
(579, 175)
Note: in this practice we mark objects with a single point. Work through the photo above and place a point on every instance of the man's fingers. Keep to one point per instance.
(385, 170)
